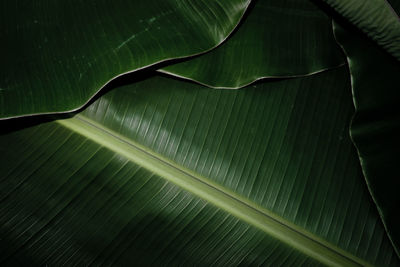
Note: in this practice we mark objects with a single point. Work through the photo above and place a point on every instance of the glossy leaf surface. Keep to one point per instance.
(279, 150)
(57, 55)
(376, 125)
(275, 39)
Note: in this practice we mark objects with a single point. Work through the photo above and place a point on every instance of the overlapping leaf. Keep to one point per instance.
(257, 170)
(376, 124)
(278, 147)
(276, 39)
(57, 55)
(375, 18)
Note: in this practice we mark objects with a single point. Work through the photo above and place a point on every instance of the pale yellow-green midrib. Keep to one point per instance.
(221, 197)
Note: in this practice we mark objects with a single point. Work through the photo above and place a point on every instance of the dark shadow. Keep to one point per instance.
(16, 124)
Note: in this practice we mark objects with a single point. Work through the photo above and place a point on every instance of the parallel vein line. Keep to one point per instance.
(234, 204)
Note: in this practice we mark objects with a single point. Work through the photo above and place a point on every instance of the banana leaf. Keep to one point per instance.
(57, 55)
(275, 39)
(106, 210)
(376, 18)
(376, 124)
(166, 172)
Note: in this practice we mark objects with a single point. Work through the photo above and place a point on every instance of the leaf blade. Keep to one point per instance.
(136, 205)
(63, 69)
(324, 201)
(220, 197)
(301, 45)
(375, 18)
(375, 126)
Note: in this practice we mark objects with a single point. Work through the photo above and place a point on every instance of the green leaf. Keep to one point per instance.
(376, 124)
(278, 177)
(57, 55)
(276, 39)
(105, 210)
(376, 18)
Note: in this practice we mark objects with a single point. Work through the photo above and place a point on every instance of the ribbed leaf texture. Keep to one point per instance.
(276, 39)
(157, 170)
(67, 51)
(75, 192)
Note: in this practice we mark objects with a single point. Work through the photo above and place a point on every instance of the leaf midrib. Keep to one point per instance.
(219, 196)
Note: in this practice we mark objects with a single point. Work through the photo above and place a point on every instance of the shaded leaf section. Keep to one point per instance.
(276, 39)
(375, 127)
(57, 55)
(376, 18)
